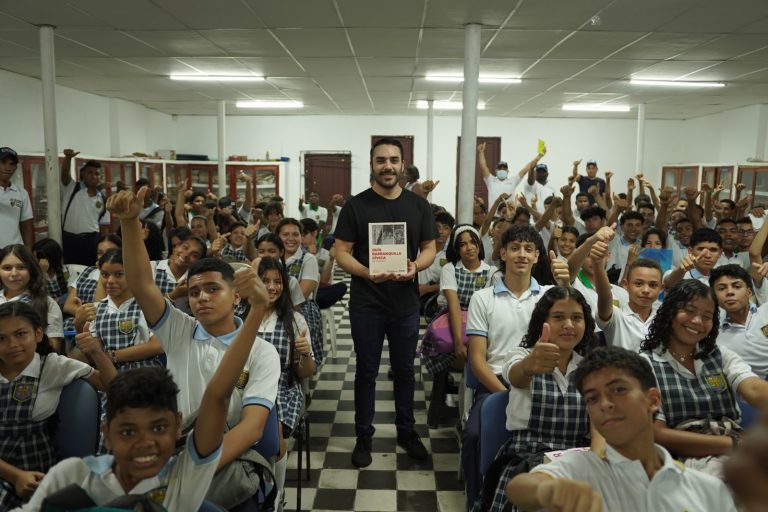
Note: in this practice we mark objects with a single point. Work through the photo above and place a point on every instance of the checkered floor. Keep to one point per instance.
(393, 481)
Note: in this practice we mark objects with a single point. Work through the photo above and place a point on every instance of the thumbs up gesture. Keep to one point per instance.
(87, 342)
(560, 270)
(545, 356)
(302, 343)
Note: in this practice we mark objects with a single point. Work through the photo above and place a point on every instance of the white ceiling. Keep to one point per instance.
(370, 57)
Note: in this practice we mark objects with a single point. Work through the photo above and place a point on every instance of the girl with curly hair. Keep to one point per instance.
(699, 381)
(545, 411)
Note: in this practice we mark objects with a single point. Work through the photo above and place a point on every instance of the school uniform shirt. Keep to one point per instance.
(319, 215)
(153, 215)
(55, 327)
(297, 296)
(181, 485)
(537, 189)
(85, 211)
(323, 256)
(757, 222)
(733, 371)
(496, 187)
(691, 274)
(482, 278)
(502, 318)
(520, 400)
(623, 484)
(306, 267)
(15, 208)
(57, 372)
(620, 251)
(166, 281)
(487, 247)
(749, 341)
(587, 289)
(625, 328)
(89, 274)
(431, 274)
(679, 251)
(193, 356)
(737, 258)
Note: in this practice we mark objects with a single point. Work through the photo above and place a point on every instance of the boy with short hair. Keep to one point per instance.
(429, 278)
(743, 327)
(195, 345)
(593, 218)
(15, 206)
(728, 230)
(630, 231)
(143, 423)
(625, 326)
(631, 472)
(703, 253)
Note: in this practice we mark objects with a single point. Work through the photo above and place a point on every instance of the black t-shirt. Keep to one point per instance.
(394, 297)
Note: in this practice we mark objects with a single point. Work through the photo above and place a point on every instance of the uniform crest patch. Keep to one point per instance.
(443, 261)
(242, 380)
(157, 495)
(765, 330)
(23, 391)
(127, 326)
(295, 268)
(716, 382)
(480, 281)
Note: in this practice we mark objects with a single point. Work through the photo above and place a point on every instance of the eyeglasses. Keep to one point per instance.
(747, 231)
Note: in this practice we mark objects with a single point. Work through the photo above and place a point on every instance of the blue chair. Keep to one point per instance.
(470, 379)
(493, 432)
(748, 414)
(77, 421)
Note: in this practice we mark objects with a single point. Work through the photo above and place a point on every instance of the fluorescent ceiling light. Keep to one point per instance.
(675, 83)
(445, 105)
(269, 104)
(482, 79)
(587, 107)
(218, 78)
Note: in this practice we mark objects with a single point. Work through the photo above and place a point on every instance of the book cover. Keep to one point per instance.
(387, 248)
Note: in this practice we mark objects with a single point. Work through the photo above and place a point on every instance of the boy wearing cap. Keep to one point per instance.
(590, 180)
(502, 182)
(630, 472)
(15, 206)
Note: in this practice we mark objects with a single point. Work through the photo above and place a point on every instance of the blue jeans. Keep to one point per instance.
(368, 331)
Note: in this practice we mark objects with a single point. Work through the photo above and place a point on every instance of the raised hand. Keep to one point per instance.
(244, 177)
(70, 153)
(740, 187)
(606, 233)
(481, 147)
(301, 345)
(630, 185)
(566, 190)
(545, 355)
(599, 252)
(560, 270)
(608, 175)
(429, 185)
(84, 314)
(576, 163)
(126, 205)
(218, 245)
(688, 262)
(761, 269)
(87, 342)
(249, 286)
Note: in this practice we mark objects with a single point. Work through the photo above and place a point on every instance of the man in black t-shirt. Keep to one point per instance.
(385, 304)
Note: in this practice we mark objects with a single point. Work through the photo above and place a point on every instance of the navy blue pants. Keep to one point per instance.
(368, 332)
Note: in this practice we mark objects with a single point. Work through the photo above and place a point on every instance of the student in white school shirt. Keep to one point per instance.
(625, 326)
(313, 210)
(15, 207)
(744, 326)
(630, 472)
(144, 423)
(195, 345)
(502, 181)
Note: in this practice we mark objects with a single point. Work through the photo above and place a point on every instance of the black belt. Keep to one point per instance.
(81, 235)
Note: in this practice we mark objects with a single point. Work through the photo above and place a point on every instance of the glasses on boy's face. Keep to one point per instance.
(746, 231)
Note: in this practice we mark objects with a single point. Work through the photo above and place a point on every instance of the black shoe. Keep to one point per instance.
(412, 445)
(390, 374)
(361, 455)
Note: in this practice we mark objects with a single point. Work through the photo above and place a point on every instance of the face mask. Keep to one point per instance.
(501, 174)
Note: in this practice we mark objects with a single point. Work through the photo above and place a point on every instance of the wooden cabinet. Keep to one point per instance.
(713, 175)
(755, 177)
(679, 177)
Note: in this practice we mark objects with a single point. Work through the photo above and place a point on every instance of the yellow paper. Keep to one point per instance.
(542, 147)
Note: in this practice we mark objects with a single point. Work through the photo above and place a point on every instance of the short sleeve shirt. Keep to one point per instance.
(85, 211)
(398, 298)
(15, 208)
(193, 356)
(496, 187)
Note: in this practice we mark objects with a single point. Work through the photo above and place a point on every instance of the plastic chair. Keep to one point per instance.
(493, 432)
(269, 444)
(77, 421)
(329, 326)
(748, 414)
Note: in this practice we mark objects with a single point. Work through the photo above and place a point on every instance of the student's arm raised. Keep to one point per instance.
(598, 254)
(688, 263)
(209, 427)
(126, 207)
(544, 358)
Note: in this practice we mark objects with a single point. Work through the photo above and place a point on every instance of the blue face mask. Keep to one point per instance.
(502, 174)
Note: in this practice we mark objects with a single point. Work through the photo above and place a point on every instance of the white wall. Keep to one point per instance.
(611, 141)
(85, 121)
(727, 137)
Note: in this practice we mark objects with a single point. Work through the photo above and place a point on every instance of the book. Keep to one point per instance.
(387, 248)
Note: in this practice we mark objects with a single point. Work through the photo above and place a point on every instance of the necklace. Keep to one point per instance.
(680, 357)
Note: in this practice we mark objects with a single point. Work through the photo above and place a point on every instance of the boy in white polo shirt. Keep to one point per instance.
(15, 207)
(144, 423)
(195, 346)
(625, 326)
(631, 472)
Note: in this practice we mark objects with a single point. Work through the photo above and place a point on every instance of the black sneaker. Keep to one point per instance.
(412, 445)
(361, 455)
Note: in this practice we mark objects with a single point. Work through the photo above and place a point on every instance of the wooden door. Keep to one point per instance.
(492, 157)
(714, 175)
(327, 174)
(407, 142)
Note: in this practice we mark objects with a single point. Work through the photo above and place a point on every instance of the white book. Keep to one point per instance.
(387, 248)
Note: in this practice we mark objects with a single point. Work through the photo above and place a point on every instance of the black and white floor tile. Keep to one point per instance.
(393, 482)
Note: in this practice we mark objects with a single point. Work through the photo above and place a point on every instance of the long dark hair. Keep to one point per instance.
(27, 312)
(452, 251)
(36, 285)
(283, 306)
(541, 311)
(273, 239)
(676, 299)
(49, 249)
